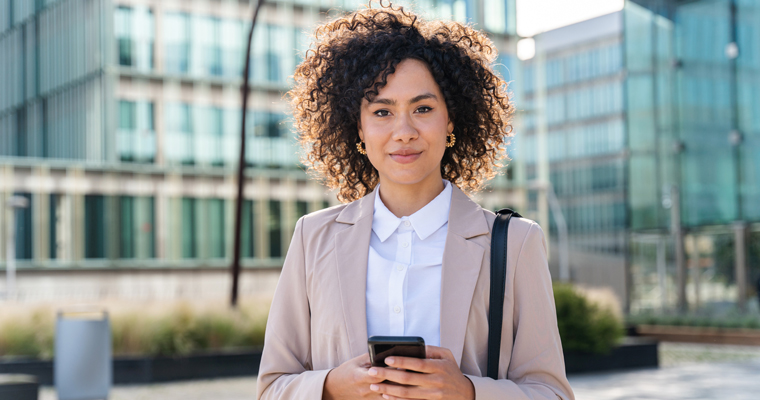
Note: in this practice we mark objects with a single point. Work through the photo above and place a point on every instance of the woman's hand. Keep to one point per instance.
(440, 377)
(350, 380)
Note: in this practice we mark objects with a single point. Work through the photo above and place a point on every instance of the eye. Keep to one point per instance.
(424, 109)
(382, 113)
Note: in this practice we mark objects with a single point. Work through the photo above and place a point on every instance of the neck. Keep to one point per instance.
(405, 200)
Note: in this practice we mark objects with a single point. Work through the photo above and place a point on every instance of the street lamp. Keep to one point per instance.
(14, 203)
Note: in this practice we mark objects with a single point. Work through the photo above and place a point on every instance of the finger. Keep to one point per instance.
(440, 353)
(397, 376)
(389, 397)
(399, 392)
(412, 364)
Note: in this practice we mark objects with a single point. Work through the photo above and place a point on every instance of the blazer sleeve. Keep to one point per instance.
(285, 371)
(537, 366)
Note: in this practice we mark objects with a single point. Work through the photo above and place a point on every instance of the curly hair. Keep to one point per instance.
(351, 59)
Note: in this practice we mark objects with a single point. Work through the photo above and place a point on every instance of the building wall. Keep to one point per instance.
(120, 119)
(575, 139)
(693, 67)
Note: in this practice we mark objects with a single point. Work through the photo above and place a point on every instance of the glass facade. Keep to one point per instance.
(202, 135)
(660, 102)
(121, 120)
(45, 46)
(135, 37)
(206, 46)
(692, 68)
(136, 134)
(577, 102)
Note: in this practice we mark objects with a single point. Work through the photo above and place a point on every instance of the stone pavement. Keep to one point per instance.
(688, 371)
(218, 389)
(715, 381)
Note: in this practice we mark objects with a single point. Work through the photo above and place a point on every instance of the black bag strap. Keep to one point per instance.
(498, 283)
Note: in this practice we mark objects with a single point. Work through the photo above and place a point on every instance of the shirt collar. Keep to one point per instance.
(425, 221)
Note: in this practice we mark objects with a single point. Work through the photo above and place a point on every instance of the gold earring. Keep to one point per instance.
(360, 146)
(451, 139)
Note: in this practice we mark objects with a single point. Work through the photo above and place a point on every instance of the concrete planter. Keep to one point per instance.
(692, 334)
(632, 353)
(131, 370)
(19, 387)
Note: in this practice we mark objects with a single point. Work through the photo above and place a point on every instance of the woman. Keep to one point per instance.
(401, 116)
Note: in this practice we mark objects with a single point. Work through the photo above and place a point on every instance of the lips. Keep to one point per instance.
(405, 156)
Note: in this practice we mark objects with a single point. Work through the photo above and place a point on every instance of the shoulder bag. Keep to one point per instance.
(498, 282)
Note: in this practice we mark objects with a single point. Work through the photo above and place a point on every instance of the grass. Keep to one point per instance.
(140, 328)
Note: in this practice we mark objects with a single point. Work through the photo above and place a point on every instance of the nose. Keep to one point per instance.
(405, 130)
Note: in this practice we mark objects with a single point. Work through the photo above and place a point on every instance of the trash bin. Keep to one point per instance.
(19, 387)
(82, 366)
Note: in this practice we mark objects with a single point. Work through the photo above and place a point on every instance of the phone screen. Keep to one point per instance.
(403, 346)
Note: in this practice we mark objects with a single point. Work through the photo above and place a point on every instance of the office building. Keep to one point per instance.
(644, 121)
(120, 122)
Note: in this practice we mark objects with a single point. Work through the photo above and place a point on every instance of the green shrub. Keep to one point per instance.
(30, 336)
(167, 330)
(584, 326)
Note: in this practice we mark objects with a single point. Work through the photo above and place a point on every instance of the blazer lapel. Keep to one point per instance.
(462, 261)
(351, 252)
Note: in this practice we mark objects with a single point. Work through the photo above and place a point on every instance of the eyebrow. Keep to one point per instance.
(415, 99)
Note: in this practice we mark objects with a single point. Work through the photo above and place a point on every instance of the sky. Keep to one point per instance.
(535, 16)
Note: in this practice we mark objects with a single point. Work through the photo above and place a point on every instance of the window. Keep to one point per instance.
(134, 31)
(206, 50)
(216, 228)
(302, 208)
(208, 136)
(94, 226)
(233, 48)
(275, 229)
(176, 42)
(179, 134)
(248, 229)
(136, 136)
(136, 227)
(189, 231)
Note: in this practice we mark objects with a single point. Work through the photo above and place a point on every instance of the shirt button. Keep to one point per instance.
(405, 245)
(400, 267)
(397, 309)
(407, 223)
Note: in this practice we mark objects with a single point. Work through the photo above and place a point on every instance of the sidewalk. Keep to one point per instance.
(219, 389)
(689, 371)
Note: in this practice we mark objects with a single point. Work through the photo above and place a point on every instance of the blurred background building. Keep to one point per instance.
(646, 123)
(120, 122)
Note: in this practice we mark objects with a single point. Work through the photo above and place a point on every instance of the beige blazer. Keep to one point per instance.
(318, 315)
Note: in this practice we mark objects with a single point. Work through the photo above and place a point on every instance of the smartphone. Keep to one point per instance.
(381, 347)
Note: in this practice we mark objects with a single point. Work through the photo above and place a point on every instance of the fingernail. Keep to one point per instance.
(390, 360)
(374, 387)
(385, 396)
(372, 371)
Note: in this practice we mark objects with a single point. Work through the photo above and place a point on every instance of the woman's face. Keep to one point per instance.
(405, 127)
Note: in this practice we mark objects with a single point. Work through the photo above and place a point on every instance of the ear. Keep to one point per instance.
(450, 127)
(359, 128)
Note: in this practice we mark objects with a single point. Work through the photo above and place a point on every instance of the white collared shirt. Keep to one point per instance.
(404, 270)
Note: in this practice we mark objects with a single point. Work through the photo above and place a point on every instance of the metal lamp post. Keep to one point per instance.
(235, 268)
(14, 203)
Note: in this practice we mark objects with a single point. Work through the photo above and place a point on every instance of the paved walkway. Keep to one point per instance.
(219, 389)
(717, 381)
(689, 371)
